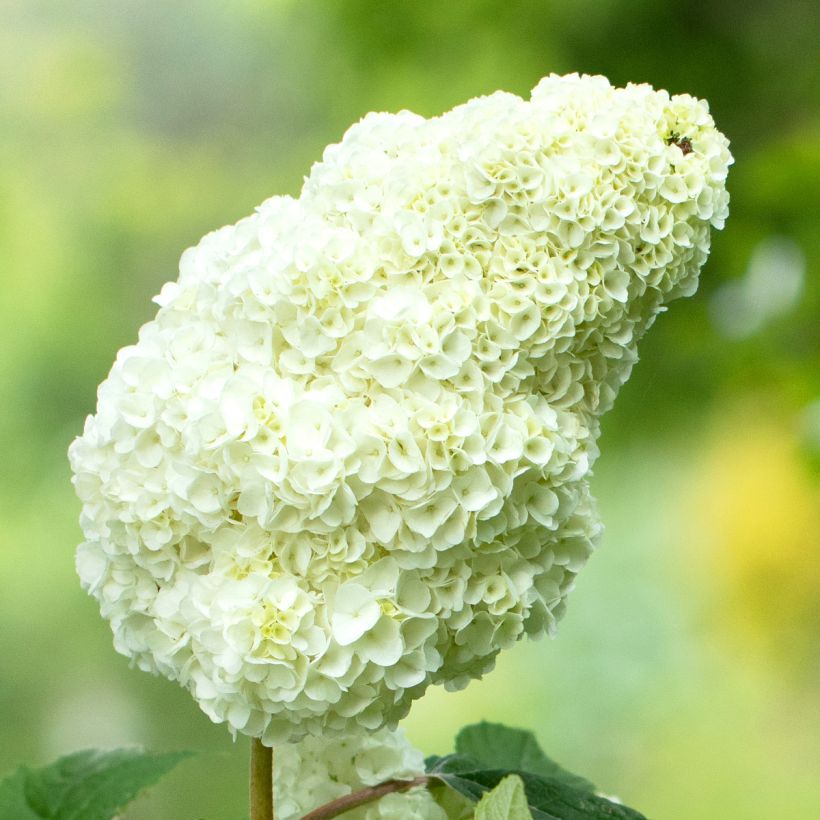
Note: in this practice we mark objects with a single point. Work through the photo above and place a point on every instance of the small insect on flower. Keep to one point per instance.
(684, 143)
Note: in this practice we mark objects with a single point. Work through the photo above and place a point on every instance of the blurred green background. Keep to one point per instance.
(685, 675)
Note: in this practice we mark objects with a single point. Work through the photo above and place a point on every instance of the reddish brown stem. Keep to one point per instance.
(351, 801)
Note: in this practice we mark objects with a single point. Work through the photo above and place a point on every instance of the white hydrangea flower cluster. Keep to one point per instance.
(349, 457)
(318, 770)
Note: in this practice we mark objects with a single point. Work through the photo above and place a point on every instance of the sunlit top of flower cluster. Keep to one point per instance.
(318, 770)
(349, 456)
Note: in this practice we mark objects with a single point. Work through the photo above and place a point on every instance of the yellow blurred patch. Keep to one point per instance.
(753, 517)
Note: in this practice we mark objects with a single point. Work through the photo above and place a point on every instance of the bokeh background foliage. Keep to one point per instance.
(685, 675)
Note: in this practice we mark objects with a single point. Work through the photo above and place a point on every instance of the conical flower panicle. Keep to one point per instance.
(349, 458)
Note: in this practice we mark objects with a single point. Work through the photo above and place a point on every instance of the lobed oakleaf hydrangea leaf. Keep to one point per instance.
(487, 753)
(548, 799)
(507, 801)
(87, 785)
(495, 746)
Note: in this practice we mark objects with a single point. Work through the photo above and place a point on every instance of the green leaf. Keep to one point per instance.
(486, 753)
(548, 798)
(13, 805)
(89, 785)
(507, 801)
(499, 747)
(475, 791)
(454, 804)
(452, 764)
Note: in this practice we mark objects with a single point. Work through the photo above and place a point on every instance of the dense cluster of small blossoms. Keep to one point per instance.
(318, 770)
(349, 457)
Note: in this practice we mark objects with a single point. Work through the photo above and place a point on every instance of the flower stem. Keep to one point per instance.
(351, 801)
(261, 781)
